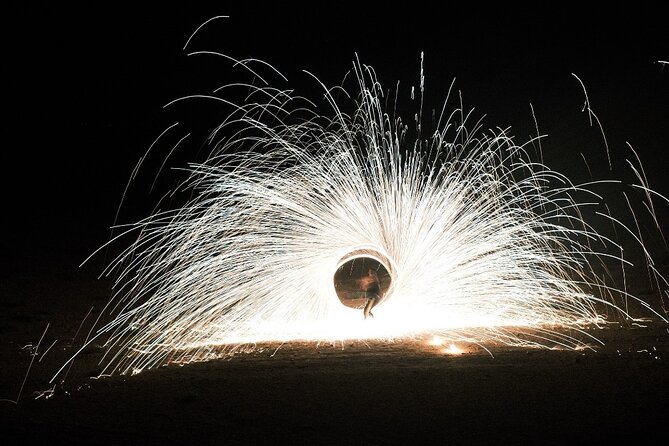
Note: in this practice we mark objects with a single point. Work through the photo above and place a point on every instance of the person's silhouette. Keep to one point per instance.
(372, 287)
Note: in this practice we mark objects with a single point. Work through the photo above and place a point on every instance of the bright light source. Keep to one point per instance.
(475, 233)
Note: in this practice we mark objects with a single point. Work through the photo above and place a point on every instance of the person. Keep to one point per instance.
(371, 285)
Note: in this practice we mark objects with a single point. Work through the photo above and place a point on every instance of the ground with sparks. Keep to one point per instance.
(374, 393)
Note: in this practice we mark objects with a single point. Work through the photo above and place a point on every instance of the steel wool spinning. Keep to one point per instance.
(464, 231)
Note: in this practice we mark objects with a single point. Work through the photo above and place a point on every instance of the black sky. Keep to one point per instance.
(84, 88)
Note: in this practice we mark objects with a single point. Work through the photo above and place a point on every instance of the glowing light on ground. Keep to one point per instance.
(475, 233)
(453, 349)
(436, 341)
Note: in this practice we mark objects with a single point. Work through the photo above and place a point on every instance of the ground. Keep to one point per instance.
(360, 393)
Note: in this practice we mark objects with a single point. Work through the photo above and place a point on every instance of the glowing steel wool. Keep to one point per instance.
(468, 234)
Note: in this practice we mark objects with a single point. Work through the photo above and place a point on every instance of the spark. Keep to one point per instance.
(475, 235)
(453, 349)
(202, 26)
(446, 347)
(47, 350)
(46, 394)
(33, 354)
(436, 341)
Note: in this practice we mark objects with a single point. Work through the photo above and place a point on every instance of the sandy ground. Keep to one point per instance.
(375, 393)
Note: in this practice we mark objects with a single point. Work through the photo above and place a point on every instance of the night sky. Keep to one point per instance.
(84, 90)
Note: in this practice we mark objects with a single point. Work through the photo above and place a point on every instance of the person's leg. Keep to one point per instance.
(371, 301)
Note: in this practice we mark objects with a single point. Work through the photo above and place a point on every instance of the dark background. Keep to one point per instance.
(83, 93)
(85, 87)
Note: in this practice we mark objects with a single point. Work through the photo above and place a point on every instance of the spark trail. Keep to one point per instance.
(476, 235)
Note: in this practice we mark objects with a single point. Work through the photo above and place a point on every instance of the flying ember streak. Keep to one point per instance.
(466, 234)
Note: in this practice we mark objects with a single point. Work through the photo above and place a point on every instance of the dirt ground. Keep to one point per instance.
(374, 393)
